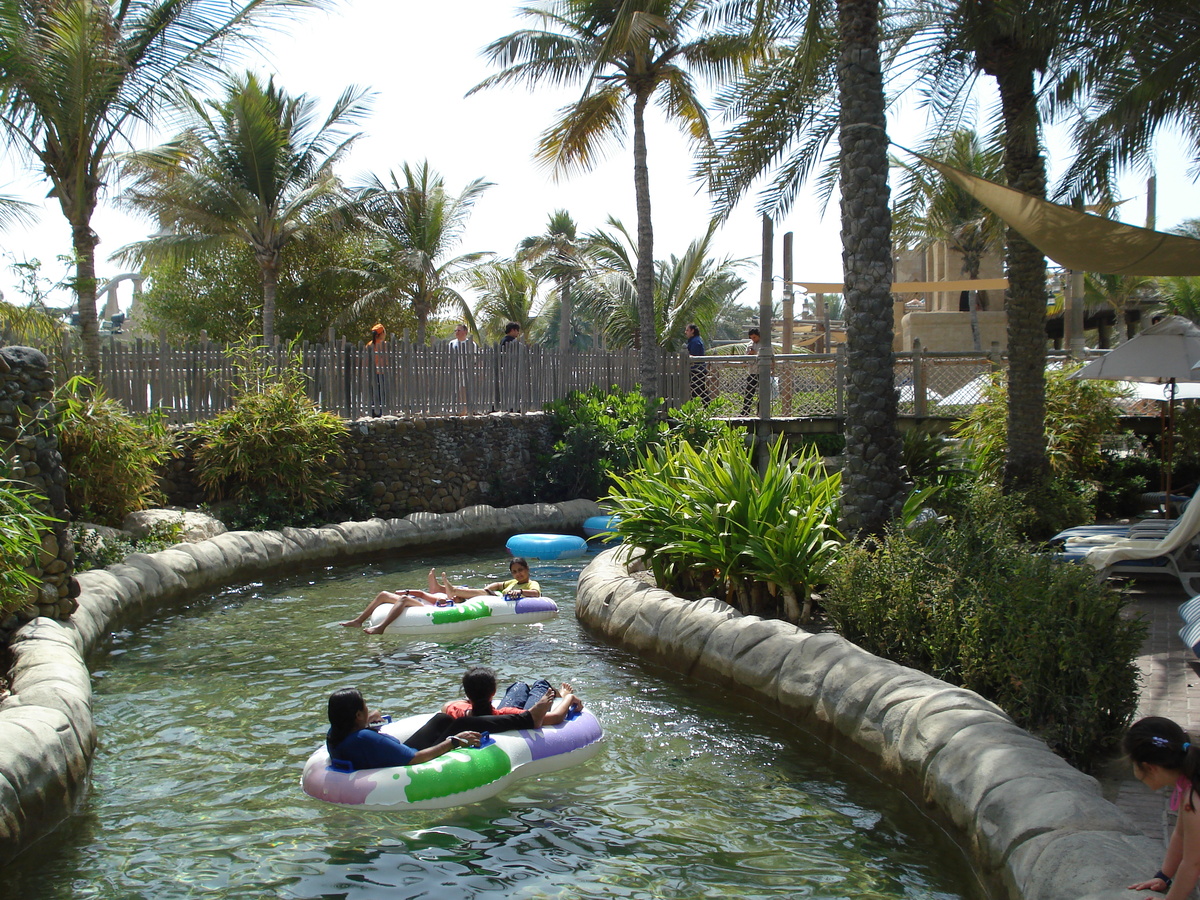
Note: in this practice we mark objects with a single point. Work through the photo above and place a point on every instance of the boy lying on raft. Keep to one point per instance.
(479, 684)
(445, 594)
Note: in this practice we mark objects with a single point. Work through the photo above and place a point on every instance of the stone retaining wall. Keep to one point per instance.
(1032, 822)
(47, 734)
(399, 465)
(29, 441)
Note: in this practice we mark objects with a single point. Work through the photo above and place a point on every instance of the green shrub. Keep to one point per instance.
(708, 519)
(274, 454)
(973, 606)
(1078, 415)
(21, 528)
(92, 551)
(112, 458)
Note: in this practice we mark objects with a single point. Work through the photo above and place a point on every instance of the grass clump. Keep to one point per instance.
(113, 459)
(21, 527)
(973, 606)
(274, 454)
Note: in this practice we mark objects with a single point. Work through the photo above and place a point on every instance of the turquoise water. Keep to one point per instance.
(208, 711)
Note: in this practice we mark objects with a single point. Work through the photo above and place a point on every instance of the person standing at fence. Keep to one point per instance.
(751, 391)
(376, 359)
(459, 363)
(512, 331)
(699, 370)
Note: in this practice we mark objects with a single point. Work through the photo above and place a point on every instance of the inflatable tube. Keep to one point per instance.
(547, 546)
(458, 777)
(466, 615)
(602, 525)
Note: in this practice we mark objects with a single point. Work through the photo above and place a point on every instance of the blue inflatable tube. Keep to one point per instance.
(601, 525)
(547, 546)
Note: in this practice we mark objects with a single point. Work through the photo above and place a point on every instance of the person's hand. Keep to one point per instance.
(467, 738)
(1154, 884)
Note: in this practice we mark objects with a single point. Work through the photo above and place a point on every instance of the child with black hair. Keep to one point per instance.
(1163, 757)
(479, 685)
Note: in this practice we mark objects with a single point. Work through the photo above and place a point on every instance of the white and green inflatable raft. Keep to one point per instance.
(458, 777)
(466, 615)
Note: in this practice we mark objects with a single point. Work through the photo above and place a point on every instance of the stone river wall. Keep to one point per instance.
(47, 734)
(1032, 823)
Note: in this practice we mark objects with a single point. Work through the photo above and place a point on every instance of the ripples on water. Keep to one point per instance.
(208, 712)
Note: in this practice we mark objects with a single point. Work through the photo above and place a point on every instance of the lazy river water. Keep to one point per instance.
(208, 711)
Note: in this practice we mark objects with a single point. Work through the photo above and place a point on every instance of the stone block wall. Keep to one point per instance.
(29, 441)
(401, 465)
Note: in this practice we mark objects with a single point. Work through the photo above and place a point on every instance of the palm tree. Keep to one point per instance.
(932, 209)
(416, 223)
(1118, 292)
(558, 253)
(254, 167)
(624, 53)
(507, 292)
(1180, 296)
(76, 74)
(691, 288)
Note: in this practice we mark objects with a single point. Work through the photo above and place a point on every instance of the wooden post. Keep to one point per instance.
(763, 362)
(789, 317)
(920, 400)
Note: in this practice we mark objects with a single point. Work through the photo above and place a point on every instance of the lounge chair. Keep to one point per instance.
(1173, 553)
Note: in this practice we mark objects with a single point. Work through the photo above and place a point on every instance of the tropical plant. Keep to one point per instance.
(931, 209)
(22, 525)
(559, 253)
(507, 292)
(414, 225)
(691, 288)
(1118, 292)
(707, 519)
(113, 459)
(219, 292)
(1079, 413)
(77, 74)
(252, 168)
(273, 451)
(1180, 296)
(624, 53)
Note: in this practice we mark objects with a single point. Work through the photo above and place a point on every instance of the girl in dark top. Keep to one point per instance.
(1163, 757)
(350, 739)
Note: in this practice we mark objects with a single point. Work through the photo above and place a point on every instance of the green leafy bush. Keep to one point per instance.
(21, 528)
(274, 453)
(112, 458)
(93, 551)
(1078, 415)
(973, 606)
(709, 520)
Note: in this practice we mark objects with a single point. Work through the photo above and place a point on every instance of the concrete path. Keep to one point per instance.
(1170, 688)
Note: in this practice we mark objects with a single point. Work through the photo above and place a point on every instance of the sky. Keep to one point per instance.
(420, 59)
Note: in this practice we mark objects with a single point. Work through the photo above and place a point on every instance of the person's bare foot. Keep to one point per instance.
(431, 581)
(352, 623)
(375, 629)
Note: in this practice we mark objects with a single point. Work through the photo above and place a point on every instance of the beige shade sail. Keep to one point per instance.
(1079, 240)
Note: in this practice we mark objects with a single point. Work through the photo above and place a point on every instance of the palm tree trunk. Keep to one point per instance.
(564, 316)
(644, 279)
(970, 269)
(84, 241)
(1025, 302)
(270, 282)
(872, 487)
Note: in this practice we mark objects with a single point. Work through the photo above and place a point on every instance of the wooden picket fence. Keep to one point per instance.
(193, 382)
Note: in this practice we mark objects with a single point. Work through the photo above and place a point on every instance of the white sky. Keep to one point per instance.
(420, 58)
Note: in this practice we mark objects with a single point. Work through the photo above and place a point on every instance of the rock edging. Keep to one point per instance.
(47, 734)
(1031, 820)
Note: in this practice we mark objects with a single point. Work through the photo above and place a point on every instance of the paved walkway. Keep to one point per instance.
(1170, 687)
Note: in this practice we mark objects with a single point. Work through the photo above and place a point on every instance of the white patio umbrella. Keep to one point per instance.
(1163, 354)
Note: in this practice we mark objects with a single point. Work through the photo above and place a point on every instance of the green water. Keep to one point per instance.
(208, 711)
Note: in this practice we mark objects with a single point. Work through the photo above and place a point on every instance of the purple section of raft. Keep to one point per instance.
(535, 604)
(580, 731)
